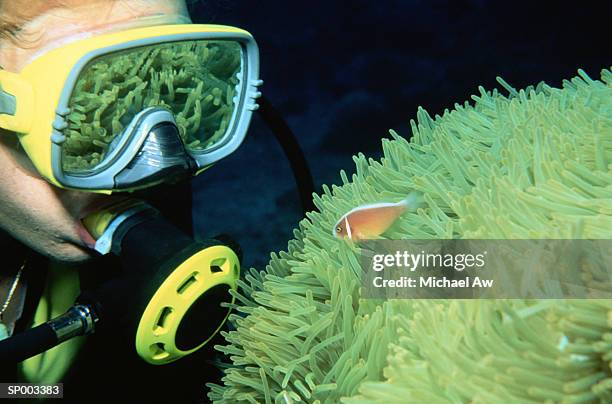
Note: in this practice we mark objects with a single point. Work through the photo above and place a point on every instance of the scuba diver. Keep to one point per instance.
(107, 108)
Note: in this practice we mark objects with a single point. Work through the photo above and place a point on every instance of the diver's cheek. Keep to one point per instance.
(36, 213)
(75, 202)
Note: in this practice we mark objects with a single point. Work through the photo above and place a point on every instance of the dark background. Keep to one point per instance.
(343, 72)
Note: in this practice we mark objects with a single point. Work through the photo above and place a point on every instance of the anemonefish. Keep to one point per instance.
(371, 220)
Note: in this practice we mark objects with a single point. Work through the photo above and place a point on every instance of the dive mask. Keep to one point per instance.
(130, 109)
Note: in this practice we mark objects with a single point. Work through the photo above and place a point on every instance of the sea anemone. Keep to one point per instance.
(533, 164)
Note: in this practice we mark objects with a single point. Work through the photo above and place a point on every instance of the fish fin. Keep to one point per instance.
(414, 200)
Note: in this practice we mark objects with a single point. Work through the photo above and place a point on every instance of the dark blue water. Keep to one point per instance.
(343, 72)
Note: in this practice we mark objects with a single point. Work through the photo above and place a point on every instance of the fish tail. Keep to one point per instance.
(414, 200)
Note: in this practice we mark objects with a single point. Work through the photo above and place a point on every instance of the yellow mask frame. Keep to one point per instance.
(34, 102)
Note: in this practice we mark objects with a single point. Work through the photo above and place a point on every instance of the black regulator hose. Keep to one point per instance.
(78, 320)
(287, 140)
(29, 343)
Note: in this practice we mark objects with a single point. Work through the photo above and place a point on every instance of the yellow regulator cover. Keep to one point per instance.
(157, 330)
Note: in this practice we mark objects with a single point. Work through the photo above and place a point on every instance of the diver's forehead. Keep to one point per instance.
(28, 10)
(43, 25)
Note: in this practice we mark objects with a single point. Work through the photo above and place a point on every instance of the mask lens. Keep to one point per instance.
(198, 81)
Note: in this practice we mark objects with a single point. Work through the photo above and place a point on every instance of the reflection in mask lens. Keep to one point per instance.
(196, 80)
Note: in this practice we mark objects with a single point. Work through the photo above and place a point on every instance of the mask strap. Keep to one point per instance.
(8, 103)
(16, 102)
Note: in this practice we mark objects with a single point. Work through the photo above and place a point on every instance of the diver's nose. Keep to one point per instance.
(162, 155)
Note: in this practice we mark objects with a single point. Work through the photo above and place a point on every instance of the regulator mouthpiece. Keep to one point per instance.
(174, 292)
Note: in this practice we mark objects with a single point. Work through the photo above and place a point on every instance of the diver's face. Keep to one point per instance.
(44, 217)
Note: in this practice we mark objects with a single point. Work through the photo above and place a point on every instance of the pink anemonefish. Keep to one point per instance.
(371, 220)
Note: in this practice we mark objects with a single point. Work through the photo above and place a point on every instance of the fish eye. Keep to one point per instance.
(338, 229)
